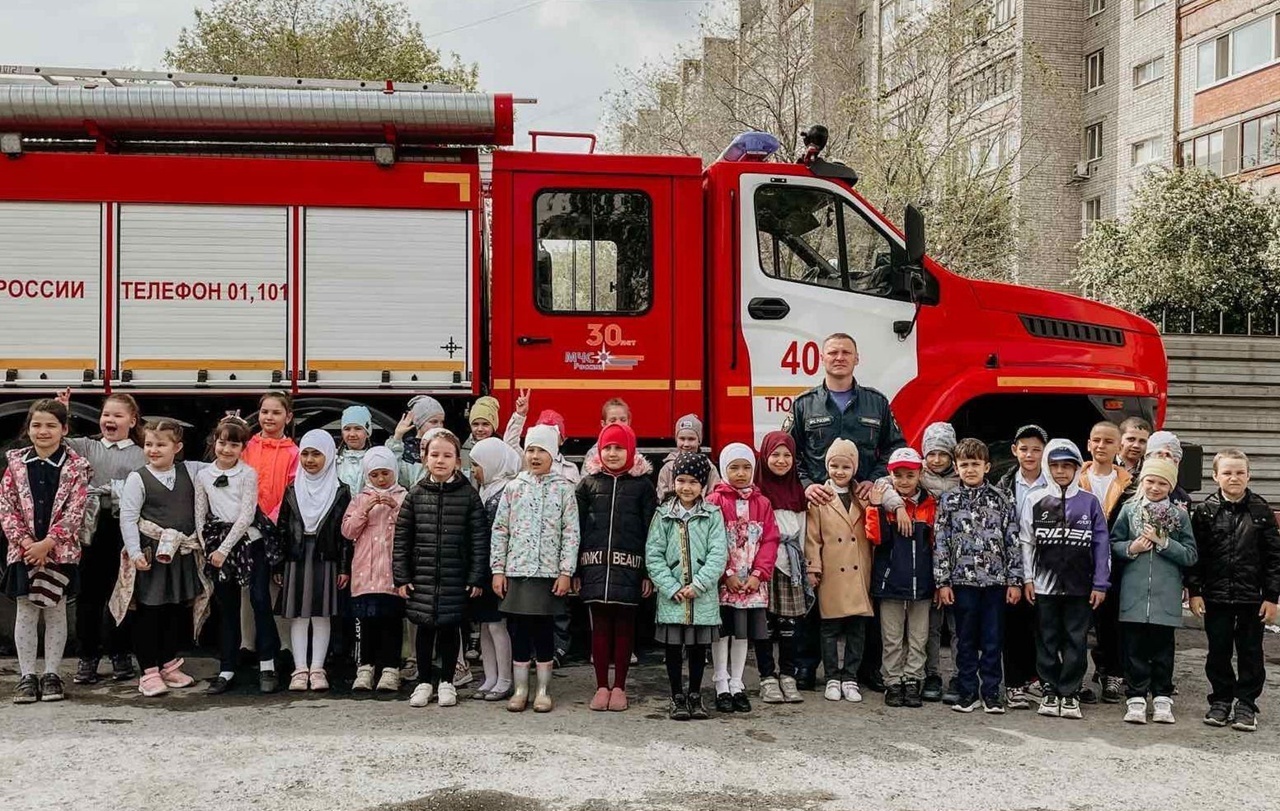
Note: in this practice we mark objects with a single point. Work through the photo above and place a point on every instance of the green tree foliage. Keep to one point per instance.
(1192, 240)
(328, 39)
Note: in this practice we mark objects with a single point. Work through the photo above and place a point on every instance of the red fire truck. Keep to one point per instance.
(196, 242)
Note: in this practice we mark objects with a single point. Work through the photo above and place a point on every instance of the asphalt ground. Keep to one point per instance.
(107, 747)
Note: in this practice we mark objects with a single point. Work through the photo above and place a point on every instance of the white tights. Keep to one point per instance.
(729, 655)
(319, 627)
(495, 652)
(26, 635)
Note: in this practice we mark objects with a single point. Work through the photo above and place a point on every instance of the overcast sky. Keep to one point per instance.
(565, 53)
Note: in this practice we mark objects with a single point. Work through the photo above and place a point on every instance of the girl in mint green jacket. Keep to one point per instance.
(686, 553)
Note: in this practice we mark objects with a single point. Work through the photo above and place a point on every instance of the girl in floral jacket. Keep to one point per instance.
(744, 590)
(42, 497)
(533, 555)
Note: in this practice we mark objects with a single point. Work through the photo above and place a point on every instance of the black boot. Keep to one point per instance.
(894, 694)
(679, 708)
(911, 694)
(86, 672)
(697, 712)
(122, 667)
(805, 679)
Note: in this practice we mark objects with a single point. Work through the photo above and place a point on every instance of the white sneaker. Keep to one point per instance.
(448, 696)
(832, 693)
(1163, 713)
(1135, 711)
(421, 696)
(364, 679)
(850, 691)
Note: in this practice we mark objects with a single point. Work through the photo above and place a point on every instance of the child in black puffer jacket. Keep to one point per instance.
(440, 559)
(615, 508)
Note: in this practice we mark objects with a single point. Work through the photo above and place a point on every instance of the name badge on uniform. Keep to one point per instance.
(873, 422)
(818, 422)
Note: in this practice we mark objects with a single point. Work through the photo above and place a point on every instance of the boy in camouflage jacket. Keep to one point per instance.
(977, 568)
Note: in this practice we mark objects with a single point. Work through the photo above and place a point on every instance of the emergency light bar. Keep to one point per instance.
(750, 146)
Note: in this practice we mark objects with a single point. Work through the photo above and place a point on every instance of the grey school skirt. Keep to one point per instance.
(531, 596)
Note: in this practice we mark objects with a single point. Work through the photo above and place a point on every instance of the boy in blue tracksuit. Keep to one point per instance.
(1066, 562)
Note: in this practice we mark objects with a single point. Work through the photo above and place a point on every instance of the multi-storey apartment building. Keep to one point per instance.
(1102, 91)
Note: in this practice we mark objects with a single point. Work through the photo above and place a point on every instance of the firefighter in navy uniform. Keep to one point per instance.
(839, 408)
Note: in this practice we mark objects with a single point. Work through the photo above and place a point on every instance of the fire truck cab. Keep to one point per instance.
(337, 242)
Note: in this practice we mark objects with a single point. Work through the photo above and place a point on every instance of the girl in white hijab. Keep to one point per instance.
(310, 527)
(499, 463)
(494, 464)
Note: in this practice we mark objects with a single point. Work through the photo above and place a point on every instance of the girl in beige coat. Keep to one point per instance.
(838, 556)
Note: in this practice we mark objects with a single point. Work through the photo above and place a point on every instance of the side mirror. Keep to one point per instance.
(914, 222)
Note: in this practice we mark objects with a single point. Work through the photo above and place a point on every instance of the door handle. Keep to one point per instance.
(530, 340)
(768, 309)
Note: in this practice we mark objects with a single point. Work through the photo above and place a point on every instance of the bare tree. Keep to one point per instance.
(927, 108)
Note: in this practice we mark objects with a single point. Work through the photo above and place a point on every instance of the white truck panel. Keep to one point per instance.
(203, 288)
(50, 292)
(387, 291)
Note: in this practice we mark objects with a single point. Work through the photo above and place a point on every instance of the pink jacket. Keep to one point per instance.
(17, 508)
(373, 533)
(753, 543)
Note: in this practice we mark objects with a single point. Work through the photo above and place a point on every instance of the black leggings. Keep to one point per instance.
(787, 631)
(697, 665)
(532, 635)
(380, 639)
(158, 631)
(448, 639)
(96, 631)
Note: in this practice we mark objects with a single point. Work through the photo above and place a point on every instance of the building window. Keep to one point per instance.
(887, 20)
(1148, 71)
(594, 251)
(1247, 48)
(1146, 151)
(1094, 74)
(1002, 11)
(1141, 7)
(1097, 7)
(992, 151)
(1260, 143)
(862, 25)
(988, 82)
(860, 77)
(1093, 142)
(1090, 213)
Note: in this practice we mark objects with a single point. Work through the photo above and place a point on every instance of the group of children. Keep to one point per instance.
(497, 532)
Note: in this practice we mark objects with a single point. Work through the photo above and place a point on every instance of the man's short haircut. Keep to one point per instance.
(972, 449)
(840, 336)
(1230, 453)
(1135, 424)
(615, 402)
(1105, 424)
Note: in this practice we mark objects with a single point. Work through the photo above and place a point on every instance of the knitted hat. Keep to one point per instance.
(907, 458)
(485, 408)
(552, 418)
(1032, 432)
(940, 436)
(688, 463)
(736, 452)
(689, 422)
(357, 415)
(423, 408)
(843, 449)
(618, 434)
(543, 436)
(1165, 441)
(1161, 468)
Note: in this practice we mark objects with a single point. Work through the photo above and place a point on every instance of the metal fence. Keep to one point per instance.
(1216, 322)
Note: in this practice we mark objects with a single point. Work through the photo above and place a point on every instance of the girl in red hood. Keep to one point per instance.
(615, 508)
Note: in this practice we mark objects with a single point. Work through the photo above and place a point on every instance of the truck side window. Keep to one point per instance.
(812, 236)
(594, 251)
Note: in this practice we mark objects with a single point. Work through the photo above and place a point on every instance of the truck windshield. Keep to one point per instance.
(814, 237)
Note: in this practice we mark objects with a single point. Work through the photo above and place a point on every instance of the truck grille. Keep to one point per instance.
(1072, 331)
